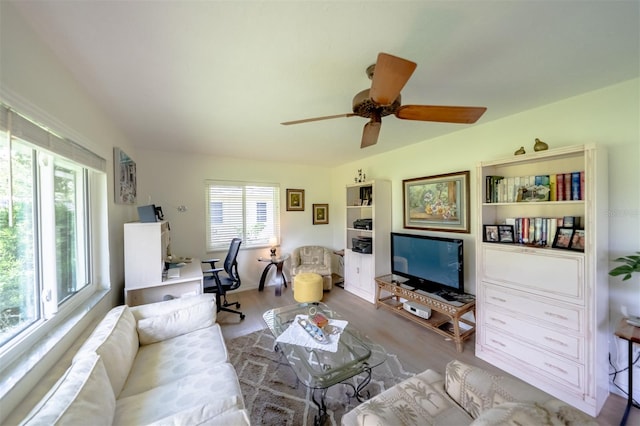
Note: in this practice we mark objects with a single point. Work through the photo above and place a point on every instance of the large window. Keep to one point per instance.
(249, 211)
(45, 249)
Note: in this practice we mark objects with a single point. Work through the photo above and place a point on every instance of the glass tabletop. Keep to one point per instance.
(318, 368)
(274, 259)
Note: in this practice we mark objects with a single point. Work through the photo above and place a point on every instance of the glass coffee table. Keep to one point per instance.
(320, 369)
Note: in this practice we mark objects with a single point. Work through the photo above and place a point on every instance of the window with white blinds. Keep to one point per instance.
(250, 211)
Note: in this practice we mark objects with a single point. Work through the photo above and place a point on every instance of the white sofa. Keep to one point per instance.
(466, 395)
(163, 364)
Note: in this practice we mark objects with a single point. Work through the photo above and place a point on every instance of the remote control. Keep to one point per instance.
(315, 332)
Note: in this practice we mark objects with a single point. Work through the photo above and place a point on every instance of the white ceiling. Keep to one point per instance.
(217, 77)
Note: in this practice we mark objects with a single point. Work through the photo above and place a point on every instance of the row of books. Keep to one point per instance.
(555, 187)
(540, 231)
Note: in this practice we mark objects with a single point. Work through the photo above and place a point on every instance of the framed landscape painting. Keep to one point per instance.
(437, 203)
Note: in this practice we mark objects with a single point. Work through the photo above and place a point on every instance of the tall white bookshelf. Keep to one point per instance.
(542, 312)
(361, 269)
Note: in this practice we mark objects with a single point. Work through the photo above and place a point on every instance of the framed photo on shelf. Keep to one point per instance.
(562, 238)
(295, 200)
(505, 233)
(437, 203)
(577, 240)
(491, 233)
(320, 214)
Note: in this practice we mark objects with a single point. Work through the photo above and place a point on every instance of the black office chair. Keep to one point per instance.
(215, 282)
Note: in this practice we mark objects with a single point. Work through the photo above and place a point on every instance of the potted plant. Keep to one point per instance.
(631, 265)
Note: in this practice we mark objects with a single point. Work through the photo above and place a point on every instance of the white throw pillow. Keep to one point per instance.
(115, 339)
(175, 323)
(161, 308)
(81, 396)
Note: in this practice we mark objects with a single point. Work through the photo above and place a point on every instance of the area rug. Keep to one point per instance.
(272, 394)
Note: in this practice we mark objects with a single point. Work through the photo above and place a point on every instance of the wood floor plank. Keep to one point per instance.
(417, 348)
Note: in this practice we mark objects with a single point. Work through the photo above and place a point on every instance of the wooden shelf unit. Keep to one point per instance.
(445, 317)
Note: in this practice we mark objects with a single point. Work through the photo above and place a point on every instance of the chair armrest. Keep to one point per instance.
(212, 271)
(327, 259)
(211, 262)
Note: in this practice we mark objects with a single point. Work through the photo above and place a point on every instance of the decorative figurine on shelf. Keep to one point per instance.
(520, 151)
(361, 177)
(540, 146)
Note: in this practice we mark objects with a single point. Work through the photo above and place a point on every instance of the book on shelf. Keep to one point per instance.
(567, 186)
(553, 187)
(539, 231)
(553, 195)
(575, 186)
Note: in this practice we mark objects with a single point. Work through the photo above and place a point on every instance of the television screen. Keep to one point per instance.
(430, 263)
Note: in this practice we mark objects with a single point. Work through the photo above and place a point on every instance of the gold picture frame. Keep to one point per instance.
(437, 203)
(295, 200)
(320, 214)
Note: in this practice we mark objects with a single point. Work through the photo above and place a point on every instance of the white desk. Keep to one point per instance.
(189, 282)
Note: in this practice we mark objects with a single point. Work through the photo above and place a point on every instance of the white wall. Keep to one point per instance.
(171, 180)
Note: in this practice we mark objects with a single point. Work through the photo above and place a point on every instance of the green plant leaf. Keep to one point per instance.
(632, 265)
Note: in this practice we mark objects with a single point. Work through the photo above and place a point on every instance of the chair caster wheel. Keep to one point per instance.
(242, 317)
(237, 306)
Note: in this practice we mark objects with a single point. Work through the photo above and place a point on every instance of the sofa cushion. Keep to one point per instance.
(79, 397)
(418, 401)
(174, 358)
(177, 322)
(115, 339)
(161, 308)
(214, 390)
(476, 390)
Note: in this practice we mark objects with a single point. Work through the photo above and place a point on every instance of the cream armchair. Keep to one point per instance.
(313, 259)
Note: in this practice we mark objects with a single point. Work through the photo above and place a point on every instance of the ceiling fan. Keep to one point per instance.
(388, 76)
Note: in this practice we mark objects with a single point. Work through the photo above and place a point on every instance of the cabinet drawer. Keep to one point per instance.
(544, 271)
(536, 307)
(534, 362)
(560, 343)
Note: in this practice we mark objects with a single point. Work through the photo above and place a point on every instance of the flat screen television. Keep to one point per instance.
(432, 264)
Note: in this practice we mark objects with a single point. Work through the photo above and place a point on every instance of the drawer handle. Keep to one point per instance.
(555, 367)
(554, 315)
(556, 341)
(498, 299)
(498, 343)
(497, 320)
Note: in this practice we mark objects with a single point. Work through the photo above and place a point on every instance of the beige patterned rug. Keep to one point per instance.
(274, 397)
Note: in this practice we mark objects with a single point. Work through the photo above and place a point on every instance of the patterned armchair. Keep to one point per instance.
(313, 259)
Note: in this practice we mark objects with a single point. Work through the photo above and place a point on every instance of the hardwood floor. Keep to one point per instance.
(417, 348)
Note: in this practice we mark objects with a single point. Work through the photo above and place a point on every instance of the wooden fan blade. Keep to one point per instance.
(389, 77)
(443, 114)
(370, 133)
(328, 117)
